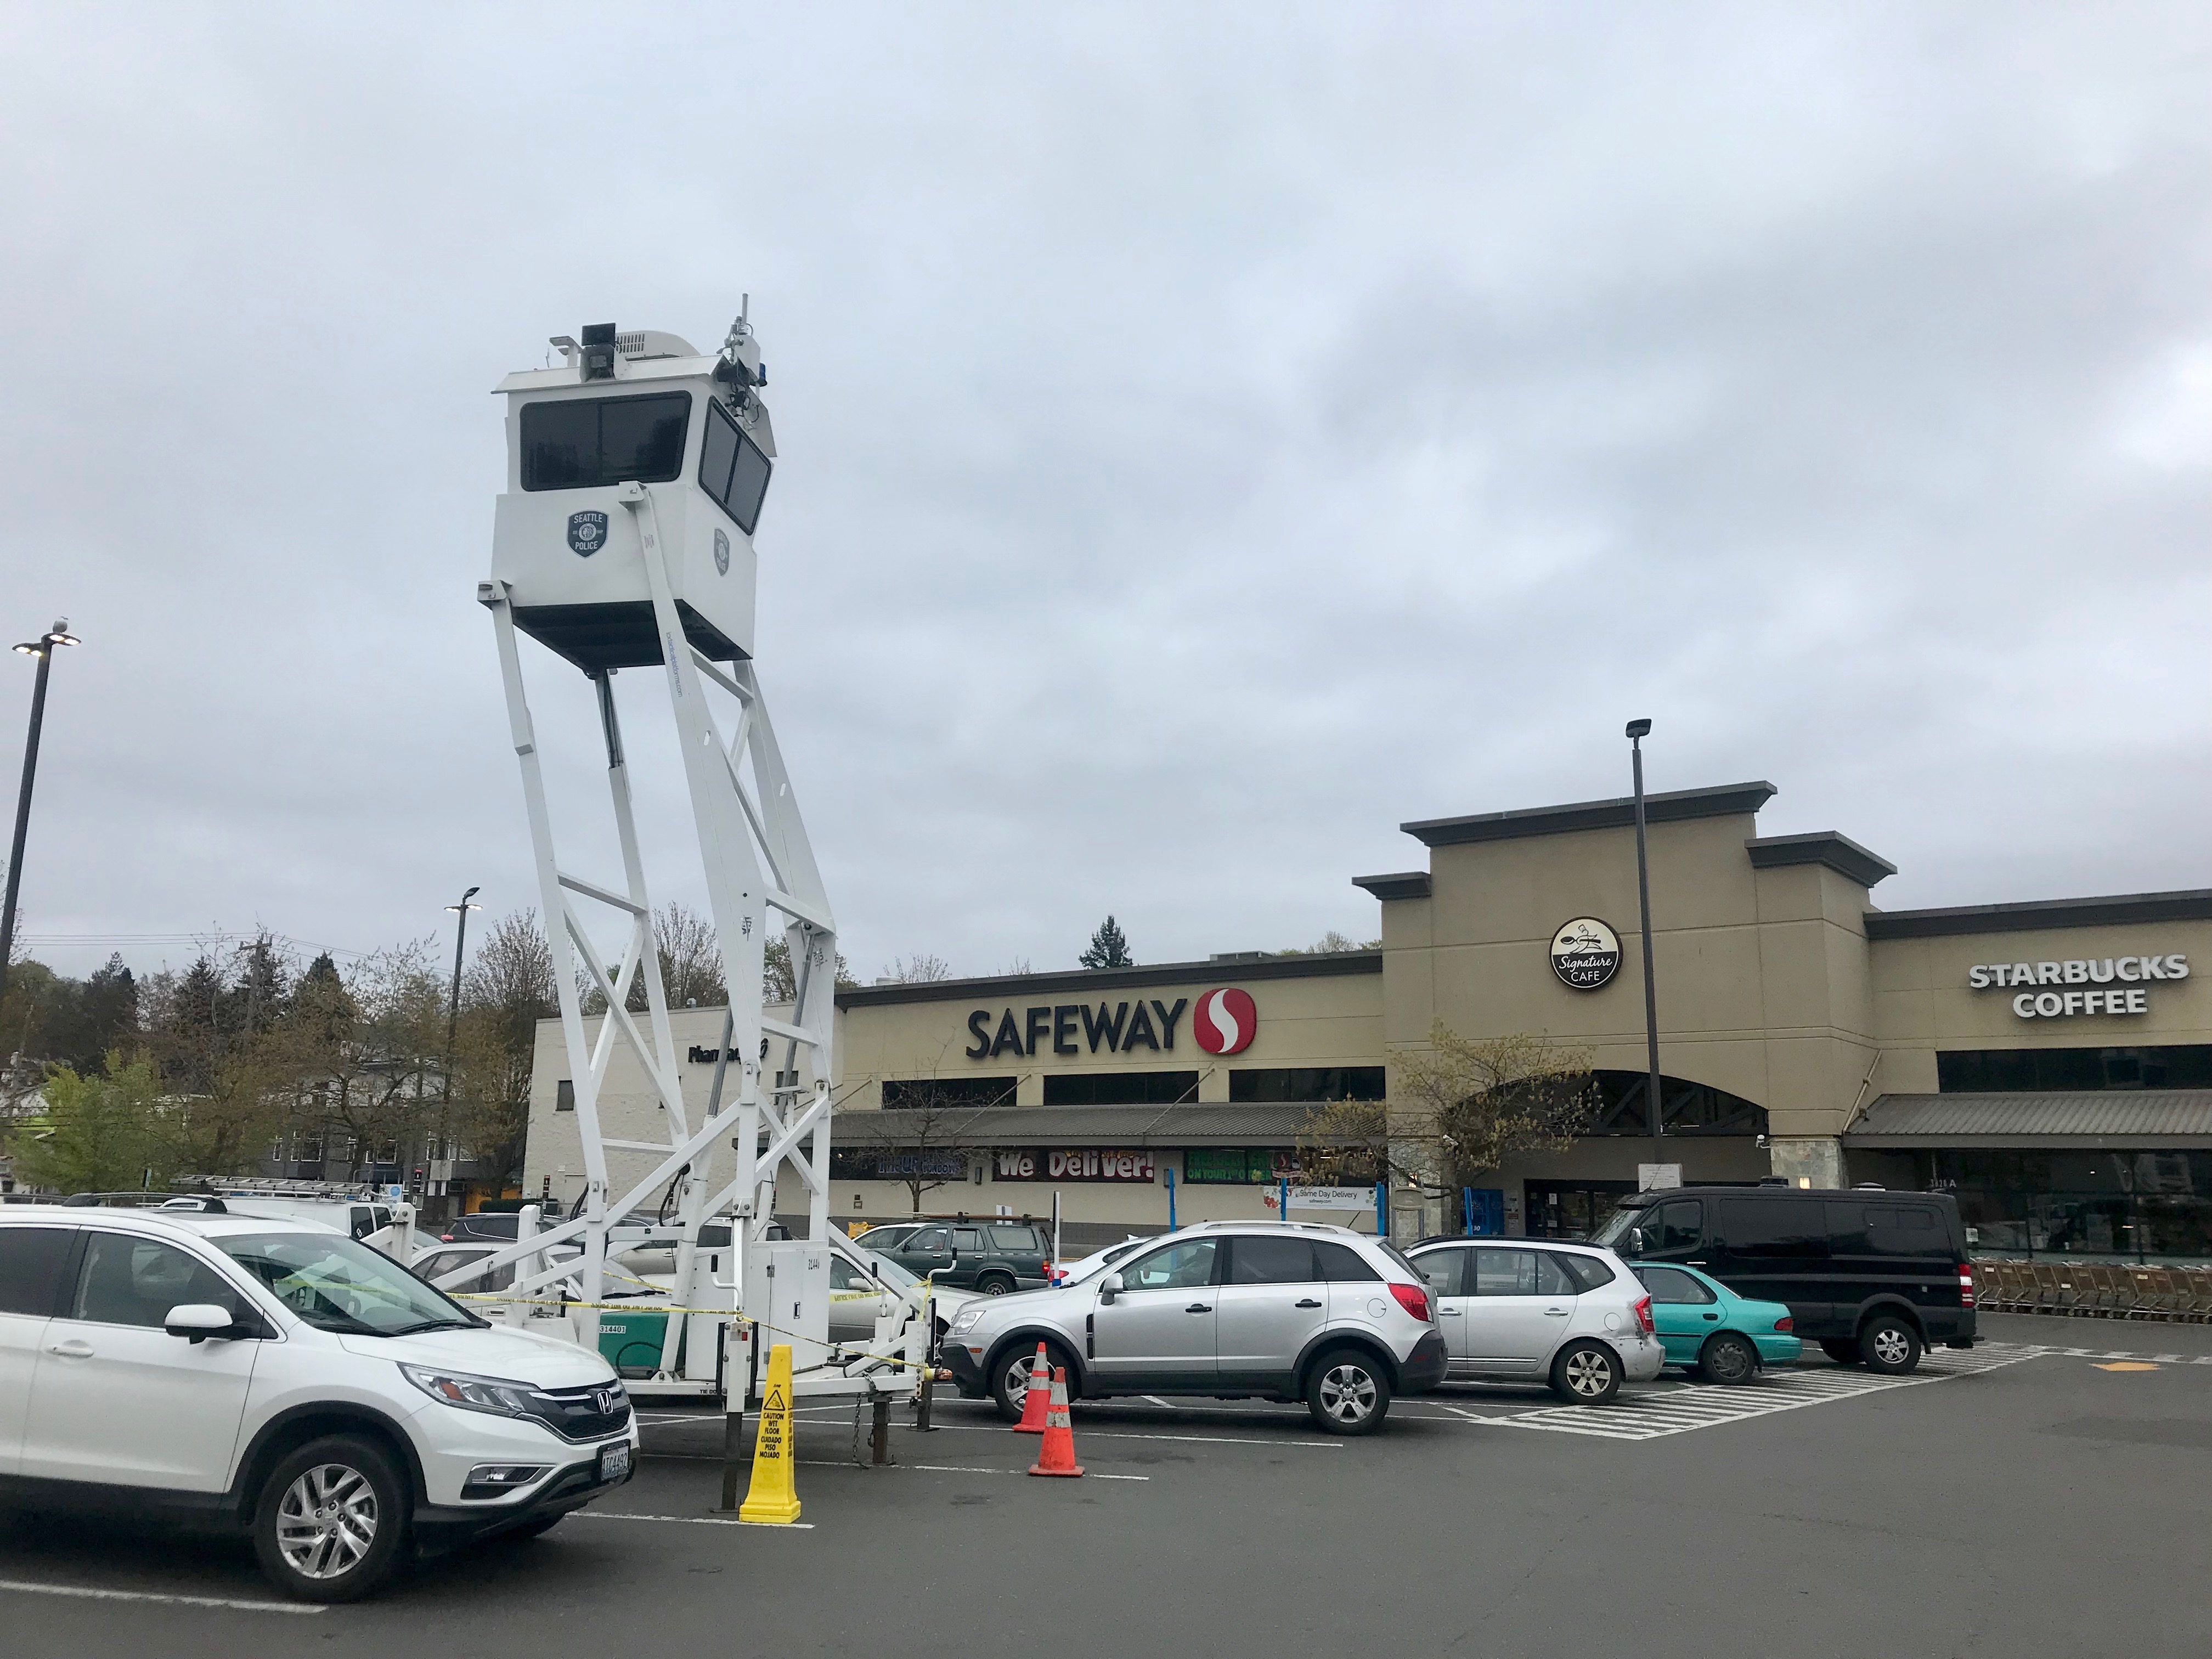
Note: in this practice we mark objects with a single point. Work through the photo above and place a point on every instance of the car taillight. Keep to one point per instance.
(1413, 1299)
(1965, 1286)
(1644, 1315)
(1785, 1323)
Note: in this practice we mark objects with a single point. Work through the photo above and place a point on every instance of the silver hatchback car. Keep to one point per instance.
(1571, 1314)
(1230, 1310)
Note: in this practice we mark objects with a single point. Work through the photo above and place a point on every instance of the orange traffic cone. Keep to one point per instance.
(1036, 1399)
(1057, 1454)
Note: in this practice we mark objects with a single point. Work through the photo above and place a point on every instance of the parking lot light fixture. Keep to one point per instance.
(43, 649)
(1654, 1099)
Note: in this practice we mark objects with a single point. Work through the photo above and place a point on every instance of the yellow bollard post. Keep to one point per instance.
(773, 1497)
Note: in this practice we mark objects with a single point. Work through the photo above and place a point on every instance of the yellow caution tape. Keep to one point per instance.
(663, 1308)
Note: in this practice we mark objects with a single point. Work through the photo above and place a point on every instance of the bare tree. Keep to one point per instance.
(916, 1138)
(691, 960)
(779, 984)
(1456, 1112)
(508, 988)
(1330, 943)
(923, 968)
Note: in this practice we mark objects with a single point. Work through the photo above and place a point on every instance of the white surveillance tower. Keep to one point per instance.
(636, 472)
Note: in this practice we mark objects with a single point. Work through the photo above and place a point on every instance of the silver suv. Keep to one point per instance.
(1230, 1310)
(1569, 1314)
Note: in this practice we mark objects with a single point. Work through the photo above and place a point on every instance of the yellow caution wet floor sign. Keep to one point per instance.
(772, 1497)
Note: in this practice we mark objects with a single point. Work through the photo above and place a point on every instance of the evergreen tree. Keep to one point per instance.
(184, 1029)
(258, 1001)
(1109, 948)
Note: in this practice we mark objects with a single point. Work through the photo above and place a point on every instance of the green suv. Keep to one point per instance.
(992, 1257)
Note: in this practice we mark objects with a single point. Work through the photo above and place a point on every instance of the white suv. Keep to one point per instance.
(279, 1378)
(1571, 1314)
(1233, 1310)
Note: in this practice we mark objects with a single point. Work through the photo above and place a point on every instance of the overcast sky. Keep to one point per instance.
(1210, 436)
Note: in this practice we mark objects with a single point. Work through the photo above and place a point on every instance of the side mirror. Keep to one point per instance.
(1636, 1241)
(195, 1322)
(1110, 1287)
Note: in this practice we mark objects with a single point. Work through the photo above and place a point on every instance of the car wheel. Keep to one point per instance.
(1727, 1359)
(1889, 1345)
(1348, 1392)
(995, 1285)
(1009, 1375)
(331, 1520)
(1586, 1374)
(1843, 1350)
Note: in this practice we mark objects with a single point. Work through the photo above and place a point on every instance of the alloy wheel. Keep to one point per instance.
(1018, 1370)
(1892, 1347)
(327, 1520)
(1347, 1392)
(1589, 1373)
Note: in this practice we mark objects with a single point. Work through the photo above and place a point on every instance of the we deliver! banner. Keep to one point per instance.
(1074, 1163)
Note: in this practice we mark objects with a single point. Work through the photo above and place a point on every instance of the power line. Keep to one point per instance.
(203, 940)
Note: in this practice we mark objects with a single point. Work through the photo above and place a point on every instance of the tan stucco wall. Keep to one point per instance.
(1763, 984)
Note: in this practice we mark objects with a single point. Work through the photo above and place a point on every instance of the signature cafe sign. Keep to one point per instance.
(1585, 954)
(2108, 985)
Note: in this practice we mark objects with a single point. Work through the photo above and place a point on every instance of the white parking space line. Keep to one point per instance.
(31, 1587)
(1124, 1434)
(1648, 1416)
(961, 1468)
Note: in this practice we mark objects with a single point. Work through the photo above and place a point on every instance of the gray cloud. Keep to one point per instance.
(1208, 439)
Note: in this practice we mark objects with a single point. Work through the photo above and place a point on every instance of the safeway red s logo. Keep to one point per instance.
(1224, 1022)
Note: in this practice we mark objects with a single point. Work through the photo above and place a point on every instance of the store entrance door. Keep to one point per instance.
(1569, 1209)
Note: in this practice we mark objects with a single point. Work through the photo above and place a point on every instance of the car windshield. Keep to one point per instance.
(336, 1285)
(1616, 1226)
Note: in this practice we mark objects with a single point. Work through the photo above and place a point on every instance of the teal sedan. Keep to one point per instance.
(1720, 1336)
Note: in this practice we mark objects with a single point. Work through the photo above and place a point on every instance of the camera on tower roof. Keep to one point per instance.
(636, 456)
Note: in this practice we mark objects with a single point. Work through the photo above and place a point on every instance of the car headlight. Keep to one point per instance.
(471, 1394)
(967, 1319)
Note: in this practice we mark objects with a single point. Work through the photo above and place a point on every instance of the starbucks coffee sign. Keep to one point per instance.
(1586, 954)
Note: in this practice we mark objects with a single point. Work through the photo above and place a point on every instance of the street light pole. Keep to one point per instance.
(43, 649)
(453, 1017)
(1654, 1099)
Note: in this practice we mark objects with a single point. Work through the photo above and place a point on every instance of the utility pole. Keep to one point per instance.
(43, 649)
(1638, 731)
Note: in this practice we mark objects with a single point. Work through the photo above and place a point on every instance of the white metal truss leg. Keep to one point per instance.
(756, 857)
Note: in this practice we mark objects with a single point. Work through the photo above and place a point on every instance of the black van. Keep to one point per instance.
(1874, 1276)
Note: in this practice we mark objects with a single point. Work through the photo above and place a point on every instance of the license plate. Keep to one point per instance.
(614, 1460)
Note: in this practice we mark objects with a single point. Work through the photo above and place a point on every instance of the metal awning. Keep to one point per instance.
(1073, 1125)
(2119, 1120)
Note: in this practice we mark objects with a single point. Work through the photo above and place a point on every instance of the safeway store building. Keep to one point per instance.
(2049, 1060)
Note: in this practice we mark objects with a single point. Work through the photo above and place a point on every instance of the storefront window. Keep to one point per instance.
(2141, 1205)
(1121, 1089)
(928, 1093)
(1301, 1085)
(2012, 1071)
(1693, 1108)
(1238, 1166)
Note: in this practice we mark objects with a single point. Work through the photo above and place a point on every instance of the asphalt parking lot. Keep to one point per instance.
(2023, 1499)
